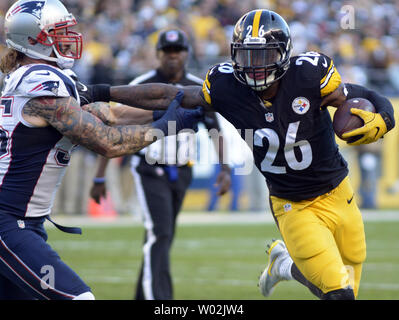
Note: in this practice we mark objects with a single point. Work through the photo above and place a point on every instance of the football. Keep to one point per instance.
(344, 120)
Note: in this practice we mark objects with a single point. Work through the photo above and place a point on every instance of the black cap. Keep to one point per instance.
(172, 38)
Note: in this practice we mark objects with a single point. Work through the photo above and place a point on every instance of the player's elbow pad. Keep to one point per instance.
(382, 105)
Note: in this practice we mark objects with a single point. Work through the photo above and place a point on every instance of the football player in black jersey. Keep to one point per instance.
(283, 100)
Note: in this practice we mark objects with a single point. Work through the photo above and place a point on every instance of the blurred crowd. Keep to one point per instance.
(119, 35)
(119, 44)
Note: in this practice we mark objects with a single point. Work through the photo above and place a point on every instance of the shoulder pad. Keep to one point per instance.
(214, 74)
(317, 67)
(45, 80)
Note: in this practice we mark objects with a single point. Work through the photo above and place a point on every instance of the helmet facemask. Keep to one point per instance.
(66, 44)
(259, 64)
(260, 49)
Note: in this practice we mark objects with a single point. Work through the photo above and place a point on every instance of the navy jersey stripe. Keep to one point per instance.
(29, 152)
(69, 84)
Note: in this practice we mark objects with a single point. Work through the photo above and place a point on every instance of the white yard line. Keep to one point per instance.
(379, 286)
(195, 218)
(228, 282)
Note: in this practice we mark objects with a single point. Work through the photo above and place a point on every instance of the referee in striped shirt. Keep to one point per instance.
(161, 176)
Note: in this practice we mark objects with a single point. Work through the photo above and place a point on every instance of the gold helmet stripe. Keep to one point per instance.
(255, 25)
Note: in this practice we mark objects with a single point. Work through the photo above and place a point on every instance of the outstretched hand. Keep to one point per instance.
(184, 118)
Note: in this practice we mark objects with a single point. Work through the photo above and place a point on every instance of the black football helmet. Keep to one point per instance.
(260, 49)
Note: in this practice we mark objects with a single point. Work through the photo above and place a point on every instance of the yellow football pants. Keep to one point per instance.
(325, 237)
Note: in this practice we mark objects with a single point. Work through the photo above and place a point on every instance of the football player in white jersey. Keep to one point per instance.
(41, 120)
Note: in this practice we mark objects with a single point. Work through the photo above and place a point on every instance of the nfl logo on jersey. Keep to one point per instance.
(287, 207)
(269, 117)
(21, 224)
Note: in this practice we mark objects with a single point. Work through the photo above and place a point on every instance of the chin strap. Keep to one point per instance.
(63, 62)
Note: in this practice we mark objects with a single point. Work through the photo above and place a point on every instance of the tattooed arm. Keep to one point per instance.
(83, 128)
(119, 114)
(153, 96)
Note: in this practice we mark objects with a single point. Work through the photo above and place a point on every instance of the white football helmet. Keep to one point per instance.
(40, 28)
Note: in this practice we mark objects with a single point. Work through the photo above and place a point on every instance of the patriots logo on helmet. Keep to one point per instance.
(32, 7)
(48, 86)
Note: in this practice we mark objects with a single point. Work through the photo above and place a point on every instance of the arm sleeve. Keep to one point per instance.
(382, 105)
(317, 69)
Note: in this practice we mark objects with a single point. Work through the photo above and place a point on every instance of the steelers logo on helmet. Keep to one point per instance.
(260, 49)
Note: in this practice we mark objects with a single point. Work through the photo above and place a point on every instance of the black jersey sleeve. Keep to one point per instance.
(330, 79)
(207, 84)
(319, 69)
(216, 83)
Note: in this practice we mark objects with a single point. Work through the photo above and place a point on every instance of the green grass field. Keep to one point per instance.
(213, 262)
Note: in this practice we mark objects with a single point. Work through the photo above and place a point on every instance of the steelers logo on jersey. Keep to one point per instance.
(300, 105)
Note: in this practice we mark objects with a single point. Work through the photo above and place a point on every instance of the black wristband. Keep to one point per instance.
(101, 92)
